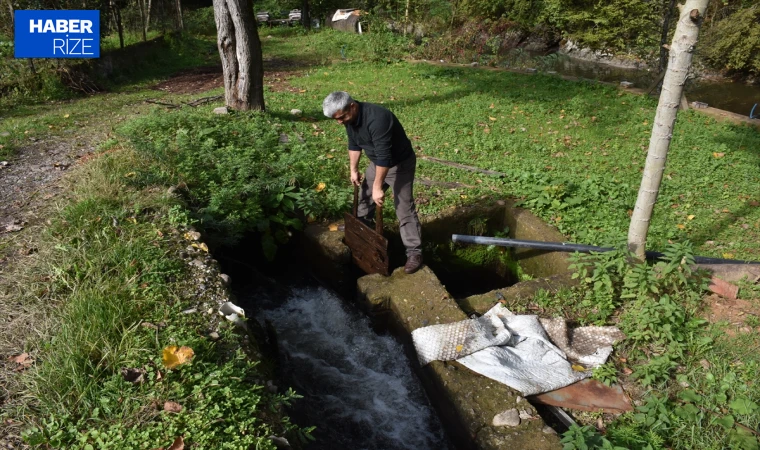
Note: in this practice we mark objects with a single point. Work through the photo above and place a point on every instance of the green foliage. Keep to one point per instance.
(735, 42)
(200, 22)
(585, 438)
(606, 373)
(238, 176)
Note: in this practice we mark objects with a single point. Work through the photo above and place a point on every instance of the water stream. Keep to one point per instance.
(358, 386)
(736, 97)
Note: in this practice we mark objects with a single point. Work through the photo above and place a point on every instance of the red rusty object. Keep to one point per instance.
(587, 395)
(723, 288)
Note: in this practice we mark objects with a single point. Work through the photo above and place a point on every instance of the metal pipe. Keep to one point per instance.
(569, 247)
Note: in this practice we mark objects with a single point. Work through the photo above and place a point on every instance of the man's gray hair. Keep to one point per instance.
(335, 102)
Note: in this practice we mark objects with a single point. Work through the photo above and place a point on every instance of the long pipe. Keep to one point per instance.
(568, 247)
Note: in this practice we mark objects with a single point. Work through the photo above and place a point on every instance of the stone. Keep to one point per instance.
(626, 84)
(508, 418)
(4, 163)
(474, 64)
(279, 442)
(548, 430)
(225, 279)
(271, 387)
(214, 336)
(525, 415)
(5, 134)
(531, 70)
(221, 110)
(296, 112)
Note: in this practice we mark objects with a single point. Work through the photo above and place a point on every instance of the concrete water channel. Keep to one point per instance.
(466, 402)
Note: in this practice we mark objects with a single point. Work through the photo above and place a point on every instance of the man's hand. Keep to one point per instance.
(356, 178)
(378, 196)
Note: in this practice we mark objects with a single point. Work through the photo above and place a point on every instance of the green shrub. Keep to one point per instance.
(200, 21)
(734, 43)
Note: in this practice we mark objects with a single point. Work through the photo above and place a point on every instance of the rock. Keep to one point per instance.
(214, 336)
(190, 311)
(548, 430)
(296, 112)
(525, 415)
(626, 84)
(518, 399)
(509, 418)
(221, 110)
(4, 163)
(284, 139)
(197, 263)
(225, 279)
(271, 387)
(5, 134)
(474, 64)
(279, 442)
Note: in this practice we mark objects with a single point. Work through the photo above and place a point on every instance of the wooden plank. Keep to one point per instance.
(369, 250)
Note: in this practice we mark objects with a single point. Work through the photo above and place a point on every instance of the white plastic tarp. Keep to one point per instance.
(517, 350)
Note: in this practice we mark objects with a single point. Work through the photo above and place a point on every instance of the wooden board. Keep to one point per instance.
(369, 250)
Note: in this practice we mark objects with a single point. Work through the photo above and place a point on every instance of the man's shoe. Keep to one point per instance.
(413, 263)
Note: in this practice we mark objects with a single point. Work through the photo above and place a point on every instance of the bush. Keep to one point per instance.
(734, 44)
(200, 22)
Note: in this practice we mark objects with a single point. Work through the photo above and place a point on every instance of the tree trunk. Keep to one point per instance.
(406, 17)
(147, 16)
(117, 18)
(681, 52)
(306, 14)
(240, 51)
(180, 25)
(141, 4)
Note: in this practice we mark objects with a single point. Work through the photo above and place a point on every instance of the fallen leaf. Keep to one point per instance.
(330, 156)
(718, 155)
(23, 360)
(491, 106)
(130, 174)
(333, 227)
(691, 216)
(201, 246)
(132, 219)
(320, 187)
(459, 348)
(627, 371)
(681, 226)
(13, 227)
(728, 255)
(578, 368)
(491, 118)
(159, 233)
(192, 235)
(172, 407)
(174, 356)
(66, 116)
(178, 444)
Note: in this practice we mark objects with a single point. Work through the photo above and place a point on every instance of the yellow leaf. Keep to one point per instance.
(491, 118)
(201, 246)
(681, 226)
(728, 255)
(718, 155)
(329, 156)
(132, 219)
(66, 116)
(174, 356)
(459, 348)
(333, 227)
(320, 187)
(691, 216)
(462, 196)
(578, 368)
(130, 174)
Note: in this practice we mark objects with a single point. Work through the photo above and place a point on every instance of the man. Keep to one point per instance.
(378, 132)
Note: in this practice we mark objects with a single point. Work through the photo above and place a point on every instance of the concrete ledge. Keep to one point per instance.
(467, 402)
(517, 293)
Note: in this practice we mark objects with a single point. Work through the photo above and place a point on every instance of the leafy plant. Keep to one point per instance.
(585, 438)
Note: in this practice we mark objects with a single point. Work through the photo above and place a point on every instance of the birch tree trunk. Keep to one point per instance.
(147, 15)
(240, 51)
(681, 52)
(141, 4)
(180, 25)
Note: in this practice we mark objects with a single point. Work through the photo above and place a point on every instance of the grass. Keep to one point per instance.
(571, 151)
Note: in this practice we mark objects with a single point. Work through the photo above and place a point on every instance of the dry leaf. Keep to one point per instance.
(728, 255)
(192, 235)
(333, 227)
(578, 368)
(681, 226)
(172, 407)
(691, 216)
(492, 118)
(130, 174)
(66, 116)
(320, 187)
(201, 246)
(178, 444)
(459, 348)
(173, 356)
(718, 155)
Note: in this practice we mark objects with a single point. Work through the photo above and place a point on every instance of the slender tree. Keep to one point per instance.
(681, 52)
(240, 51)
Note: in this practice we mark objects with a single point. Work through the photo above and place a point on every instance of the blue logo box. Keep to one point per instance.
(57, 33)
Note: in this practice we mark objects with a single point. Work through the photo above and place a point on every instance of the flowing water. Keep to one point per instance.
(730, 96)
(358, 386)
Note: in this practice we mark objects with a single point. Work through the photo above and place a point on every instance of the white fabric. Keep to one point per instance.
(342, 14)
(516, 350)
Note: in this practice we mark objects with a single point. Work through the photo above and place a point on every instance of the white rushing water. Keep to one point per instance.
(358, 386)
